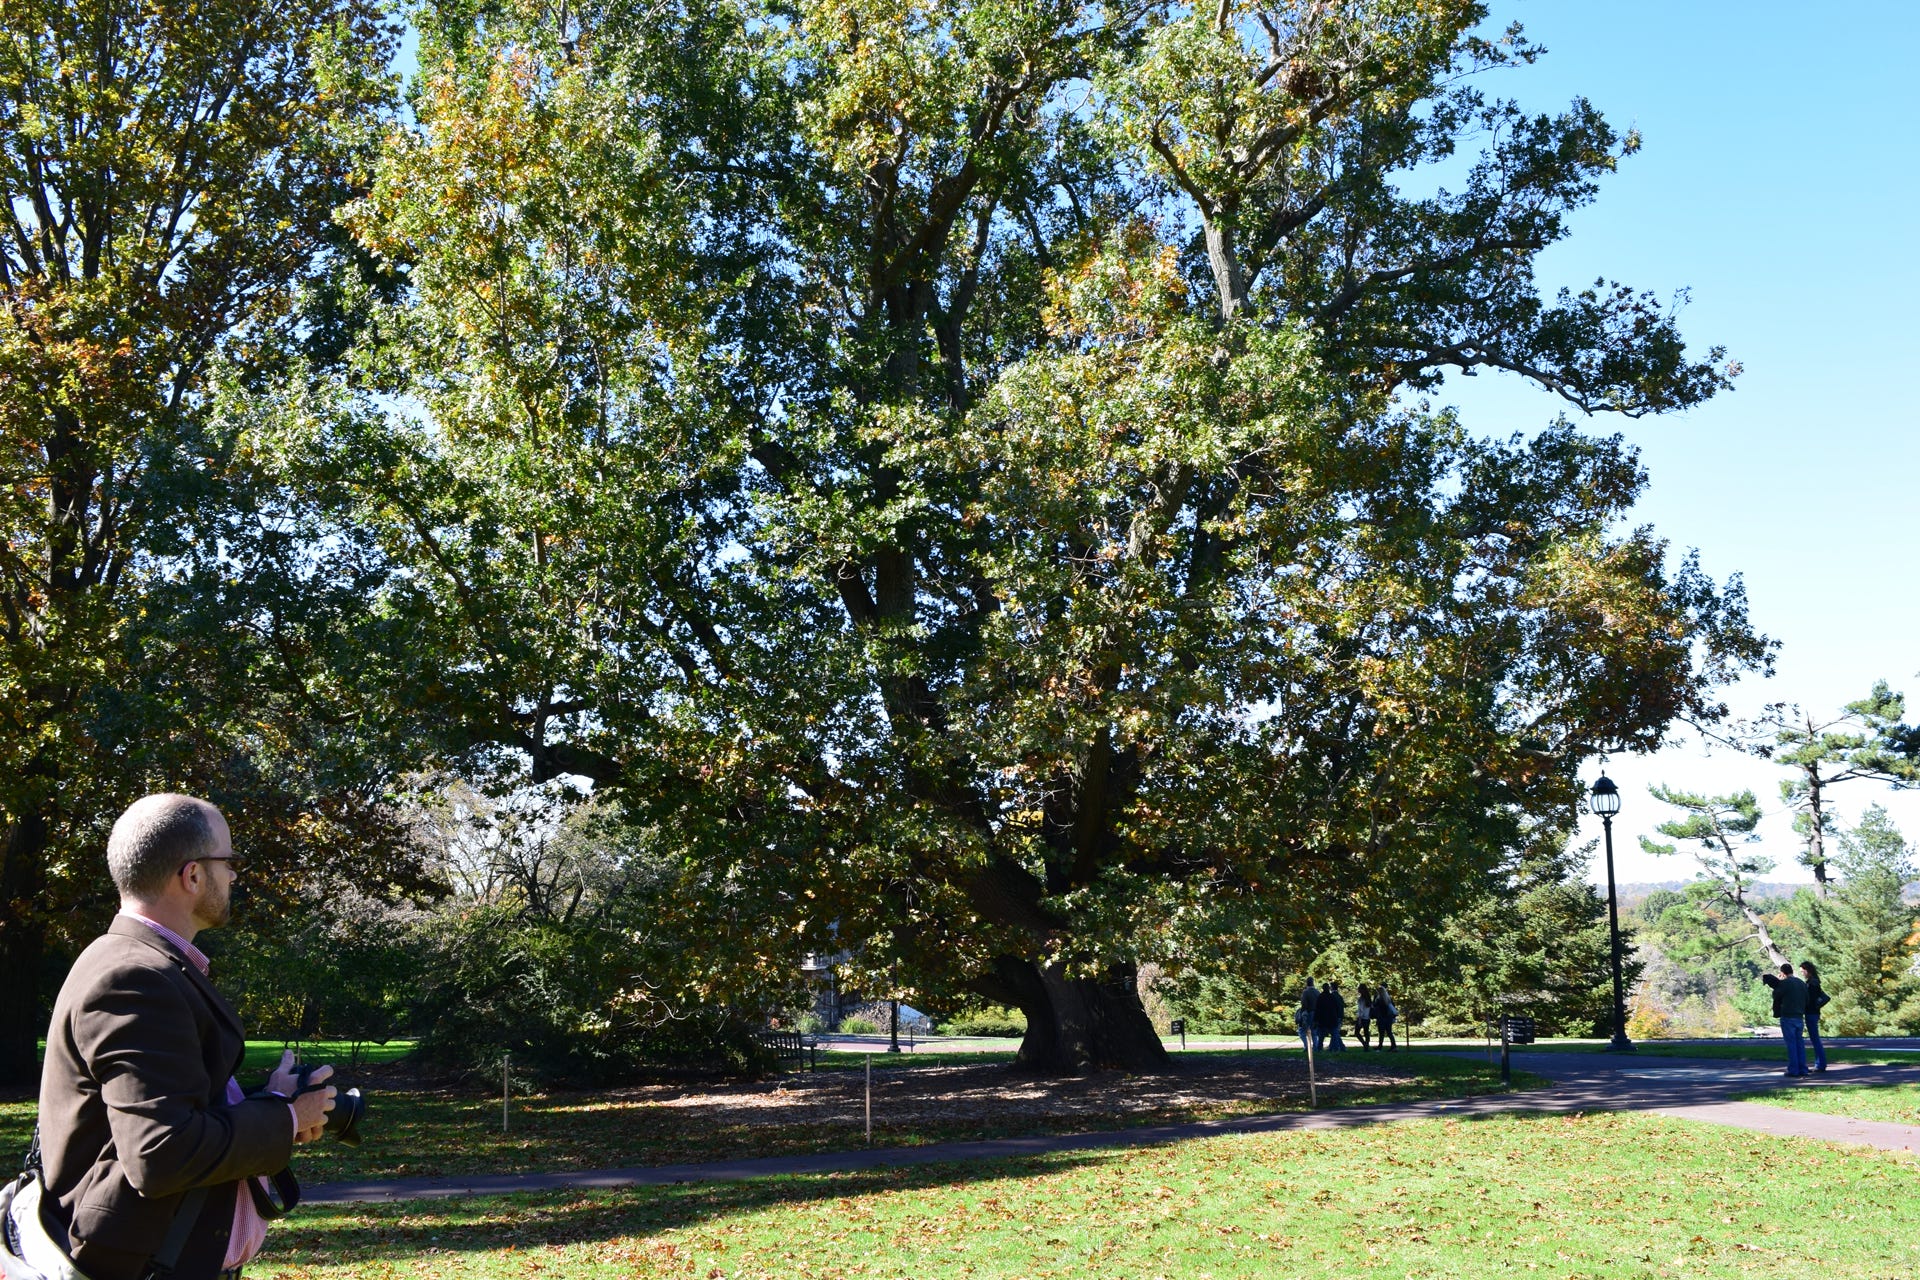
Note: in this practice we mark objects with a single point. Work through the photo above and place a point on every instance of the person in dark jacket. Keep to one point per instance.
(1383, 1015)
(1817, 999)
(1790, 1006)
(1327, 1016)
(139, 1115)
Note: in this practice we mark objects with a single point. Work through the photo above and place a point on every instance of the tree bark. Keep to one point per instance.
(23, 945)
(1079, 1025)
(1228, 274)
(1816, 835)
(1761, 933)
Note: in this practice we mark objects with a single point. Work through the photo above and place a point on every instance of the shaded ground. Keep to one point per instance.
(1697, 1089)
(971, 1094)
(414, 1131)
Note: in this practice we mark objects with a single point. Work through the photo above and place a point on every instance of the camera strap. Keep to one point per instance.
(287, 1189)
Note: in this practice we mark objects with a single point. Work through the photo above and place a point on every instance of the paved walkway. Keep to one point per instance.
(1687, 1088)
(1802, 1124)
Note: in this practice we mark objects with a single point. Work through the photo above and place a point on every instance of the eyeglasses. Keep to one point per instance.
(235, 863)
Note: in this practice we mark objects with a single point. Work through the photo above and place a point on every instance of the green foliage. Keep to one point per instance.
(167, 177)
(567, 1004)
(1702, 971)
(817, 450)
(1719, 828)
(340, 964)
(858, 1027)
(1866, 936)
(987, 1020)
(569, 943)
(811, 423)
(1225, 1004)
(1536, 941)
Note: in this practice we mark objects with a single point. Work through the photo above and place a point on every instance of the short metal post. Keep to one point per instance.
(506, 1087)
(1313, 1089)
(869, 1099)
(1506, 1059)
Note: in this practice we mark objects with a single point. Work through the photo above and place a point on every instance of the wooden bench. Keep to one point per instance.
(791, 1047)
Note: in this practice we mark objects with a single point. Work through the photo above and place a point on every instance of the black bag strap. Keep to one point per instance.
(184, 1219)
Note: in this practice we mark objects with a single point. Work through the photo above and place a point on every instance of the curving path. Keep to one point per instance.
(1687, 1088)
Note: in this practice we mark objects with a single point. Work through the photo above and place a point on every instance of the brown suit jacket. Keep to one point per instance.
(133, 1110)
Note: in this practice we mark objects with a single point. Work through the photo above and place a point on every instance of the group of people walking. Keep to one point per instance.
(1323, 1012)
(1797, 1003)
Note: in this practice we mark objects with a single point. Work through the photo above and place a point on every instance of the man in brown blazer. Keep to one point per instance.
(138, 1106)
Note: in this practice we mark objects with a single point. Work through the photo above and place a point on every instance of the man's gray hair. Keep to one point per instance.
(154, 838)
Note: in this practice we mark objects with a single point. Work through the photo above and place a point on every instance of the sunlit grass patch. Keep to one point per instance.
(1582, 1196)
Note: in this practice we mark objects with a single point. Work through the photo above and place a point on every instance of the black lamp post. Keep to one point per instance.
(1605, 801)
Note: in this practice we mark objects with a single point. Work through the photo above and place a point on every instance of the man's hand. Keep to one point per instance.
(309, 1109)
(284, 1078)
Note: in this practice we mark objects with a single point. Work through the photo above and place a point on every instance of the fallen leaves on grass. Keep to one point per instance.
(1608, 1195)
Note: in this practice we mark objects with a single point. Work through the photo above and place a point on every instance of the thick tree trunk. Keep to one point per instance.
(23, 944)
(1080, 1025)
(1228, 275)
(1816, 833)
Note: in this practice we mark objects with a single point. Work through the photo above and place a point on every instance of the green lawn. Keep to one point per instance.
(418, 1133)
(856, 1060)
(264, 1055)
(1891, 1103)
(1567, 1197)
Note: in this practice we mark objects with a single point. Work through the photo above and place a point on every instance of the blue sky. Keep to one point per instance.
(1777, 183)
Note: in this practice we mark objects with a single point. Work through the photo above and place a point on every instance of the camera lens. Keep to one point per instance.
(343, 1122)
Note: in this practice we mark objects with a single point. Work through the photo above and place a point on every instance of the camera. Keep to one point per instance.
(343, 1122)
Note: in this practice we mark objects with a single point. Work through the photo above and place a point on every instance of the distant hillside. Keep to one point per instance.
(1632, 895)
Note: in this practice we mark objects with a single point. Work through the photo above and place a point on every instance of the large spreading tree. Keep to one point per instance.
(961, 473)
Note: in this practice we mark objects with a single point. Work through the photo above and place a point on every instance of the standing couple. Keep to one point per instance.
(1797, 1003)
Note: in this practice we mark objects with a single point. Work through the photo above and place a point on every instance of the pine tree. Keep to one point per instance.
(1866, 936)
(1865, 740)
(1718, 824)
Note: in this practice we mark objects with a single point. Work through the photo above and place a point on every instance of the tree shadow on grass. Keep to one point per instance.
(336, 1235)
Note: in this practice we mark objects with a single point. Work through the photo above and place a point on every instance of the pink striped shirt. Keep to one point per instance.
(249, 1228)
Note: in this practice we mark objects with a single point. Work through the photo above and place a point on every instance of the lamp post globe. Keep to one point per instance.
(1605, 797)
(1604, 800)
